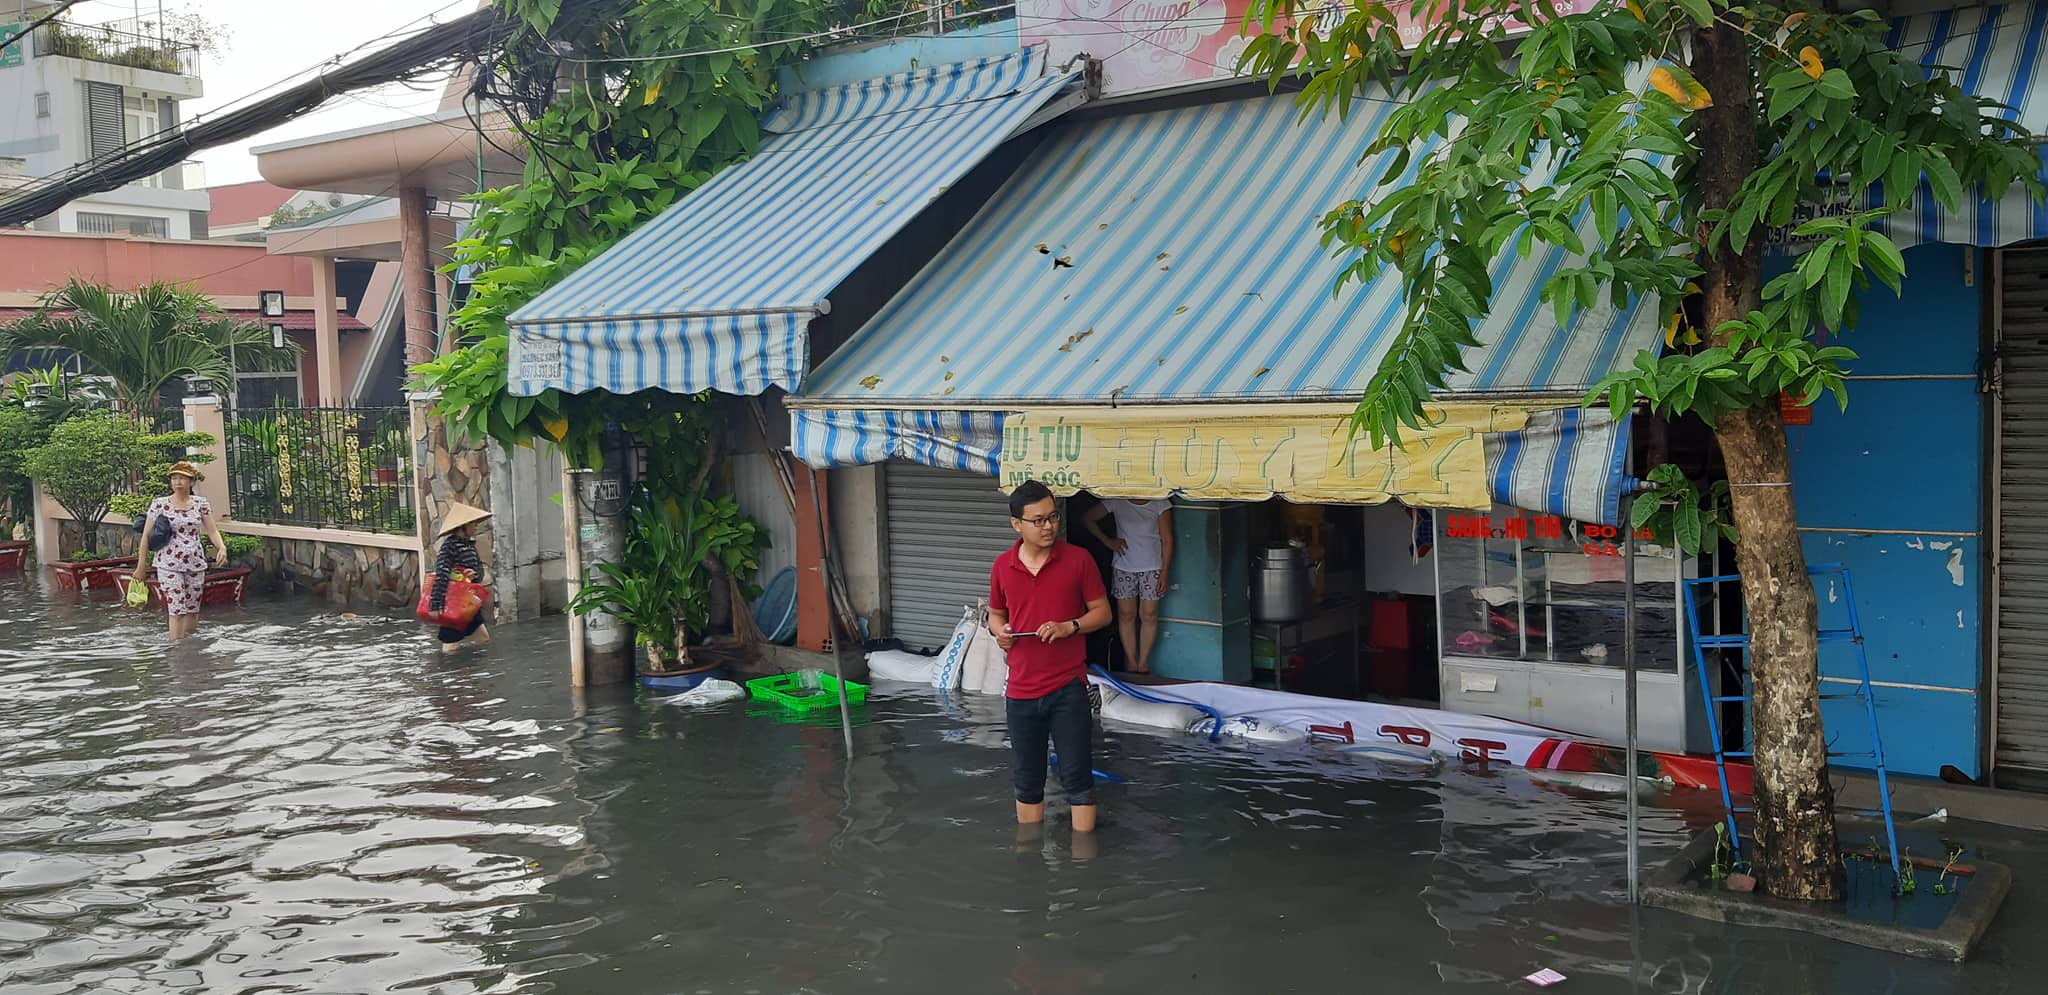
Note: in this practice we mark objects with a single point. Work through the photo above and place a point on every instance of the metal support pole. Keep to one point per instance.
(1628, 657)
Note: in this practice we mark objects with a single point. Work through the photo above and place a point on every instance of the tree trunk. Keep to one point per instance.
(1795, 851)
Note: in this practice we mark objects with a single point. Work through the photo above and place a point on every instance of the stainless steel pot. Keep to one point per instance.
(1283, 584)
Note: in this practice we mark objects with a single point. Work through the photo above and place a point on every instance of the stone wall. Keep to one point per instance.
(115, 540)
(451, 471)
(338, 572)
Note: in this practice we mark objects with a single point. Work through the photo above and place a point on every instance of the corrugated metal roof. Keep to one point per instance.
(1174, 256)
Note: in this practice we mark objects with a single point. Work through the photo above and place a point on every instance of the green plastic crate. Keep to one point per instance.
(805, 690)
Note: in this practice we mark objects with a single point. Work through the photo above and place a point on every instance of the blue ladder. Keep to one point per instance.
(1704, 644)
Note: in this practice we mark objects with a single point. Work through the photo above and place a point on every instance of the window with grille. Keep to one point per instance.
(257, 391)
(91, 223)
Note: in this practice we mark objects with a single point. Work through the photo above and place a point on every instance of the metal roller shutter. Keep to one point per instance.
(945, 529)
(106, 125)
(2021, 747)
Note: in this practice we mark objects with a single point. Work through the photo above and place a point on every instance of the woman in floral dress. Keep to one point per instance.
(181, 564)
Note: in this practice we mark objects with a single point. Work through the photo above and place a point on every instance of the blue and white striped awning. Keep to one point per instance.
(1567, 461)
(1129, 262)
(716, 292)
(971, 441)
(1997, 52)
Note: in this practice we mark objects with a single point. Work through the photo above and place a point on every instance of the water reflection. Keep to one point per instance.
(319, 804)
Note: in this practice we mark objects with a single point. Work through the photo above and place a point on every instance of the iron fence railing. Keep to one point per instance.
(334, 468)
(862, 20)
(131, 44)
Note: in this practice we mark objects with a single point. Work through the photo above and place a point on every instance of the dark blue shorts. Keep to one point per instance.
(1064, 718)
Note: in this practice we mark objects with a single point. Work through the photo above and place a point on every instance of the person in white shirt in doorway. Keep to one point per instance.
(1144, 550)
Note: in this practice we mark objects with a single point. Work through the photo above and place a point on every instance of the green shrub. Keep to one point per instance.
(162, 450)
(20, 431)
(240, 547)
(85, 459)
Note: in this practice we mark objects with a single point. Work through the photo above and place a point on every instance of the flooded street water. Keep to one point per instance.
(297, 802)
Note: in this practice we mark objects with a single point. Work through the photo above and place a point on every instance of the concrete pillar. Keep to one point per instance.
(327, 333)
(203, 414)
(416, 276)
(43, 521)
(603, 647)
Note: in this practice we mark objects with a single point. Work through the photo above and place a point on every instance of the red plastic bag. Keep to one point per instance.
(465, 598)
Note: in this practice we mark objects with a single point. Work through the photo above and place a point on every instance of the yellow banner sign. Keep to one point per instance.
(1251, 452)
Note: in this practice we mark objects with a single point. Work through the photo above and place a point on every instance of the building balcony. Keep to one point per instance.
(135, 44)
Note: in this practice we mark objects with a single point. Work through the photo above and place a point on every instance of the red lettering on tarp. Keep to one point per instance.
(1342, 732)
(1483, 750)
(1406, 734)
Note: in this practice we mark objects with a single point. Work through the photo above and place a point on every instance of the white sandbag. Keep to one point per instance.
(970, 662)
(988, 663)
(896, 665)
(1120, 707)
(946, 672)
(712, 692)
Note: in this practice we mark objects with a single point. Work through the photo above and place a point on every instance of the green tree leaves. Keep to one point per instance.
(1583, 139)
(82, 462)
(142, 339)
(635, 132)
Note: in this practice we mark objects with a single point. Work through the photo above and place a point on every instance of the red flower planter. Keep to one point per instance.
(223, 587)
(13, 555)
(93, 573)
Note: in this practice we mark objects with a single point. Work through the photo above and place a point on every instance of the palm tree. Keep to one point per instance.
(142, 340)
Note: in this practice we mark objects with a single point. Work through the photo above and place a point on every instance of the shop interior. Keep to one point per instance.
(1361, 626)
(1504, 612)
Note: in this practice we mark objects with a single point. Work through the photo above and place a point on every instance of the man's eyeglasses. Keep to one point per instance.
(1046, 522)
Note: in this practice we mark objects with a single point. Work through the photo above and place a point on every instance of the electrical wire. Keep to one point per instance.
(813, 36)
(169, 136)
(482, 29)
(39, 22)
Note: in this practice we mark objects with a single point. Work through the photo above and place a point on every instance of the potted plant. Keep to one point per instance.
(84, 460)
(642, 587)
(389, 445)
(662, 584)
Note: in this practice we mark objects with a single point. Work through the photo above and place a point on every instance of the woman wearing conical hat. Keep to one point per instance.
(458, 559)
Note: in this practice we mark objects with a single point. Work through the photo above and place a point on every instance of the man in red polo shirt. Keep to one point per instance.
(1043, 595)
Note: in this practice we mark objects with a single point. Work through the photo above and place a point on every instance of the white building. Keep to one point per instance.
(72, 93)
